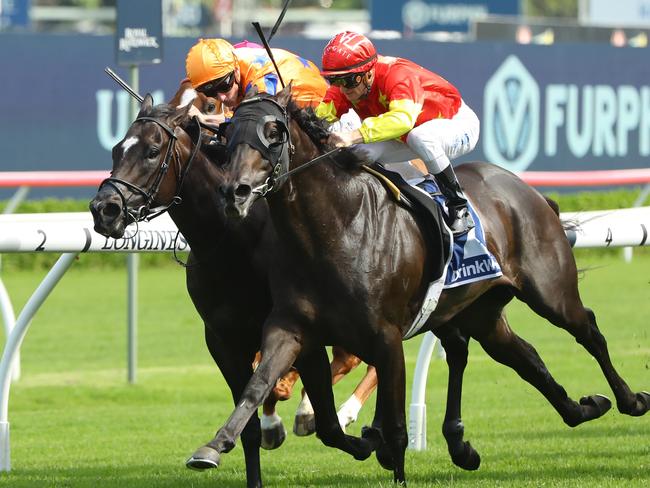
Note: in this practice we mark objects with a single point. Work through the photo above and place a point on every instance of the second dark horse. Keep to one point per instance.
(352, 268)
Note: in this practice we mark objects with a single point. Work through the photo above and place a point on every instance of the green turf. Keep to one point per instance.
(75, 422)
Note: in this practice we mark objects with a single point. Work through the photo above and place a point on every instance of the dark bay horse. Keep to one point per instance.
(158, 163)
(352, 268)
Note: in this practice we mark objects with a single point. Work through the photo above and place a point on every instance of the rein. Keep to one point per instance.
(145, 212)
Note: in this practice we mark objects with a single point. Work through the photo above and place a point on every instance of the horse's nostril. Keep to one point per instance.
(243, 191)
(111, 210)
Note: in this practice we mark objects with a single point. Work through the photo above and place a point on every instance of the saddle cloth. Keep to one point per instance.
(470, 260)
(467, 262)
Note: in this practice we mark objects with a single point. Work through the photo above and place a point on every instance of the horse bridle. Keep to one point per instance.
(145, 212)
(279, 153)
(249, 128)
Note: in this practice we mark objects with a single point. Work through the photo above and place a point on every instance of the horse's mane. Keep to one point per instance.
(317, 130)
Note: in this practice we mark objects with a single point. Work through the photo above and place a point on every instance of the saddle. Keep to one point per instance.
(427, 213)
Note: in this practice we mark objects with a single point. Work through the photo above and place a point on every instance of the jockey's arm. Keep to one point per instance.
(397, 121)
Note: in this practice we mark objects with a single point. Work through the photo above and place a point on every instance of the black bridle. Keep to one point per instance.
(248, 125)
(248, 128)
(145, 212)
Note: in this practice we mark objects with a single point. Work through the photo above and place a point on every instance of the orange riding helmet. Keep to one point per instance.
(209, 59)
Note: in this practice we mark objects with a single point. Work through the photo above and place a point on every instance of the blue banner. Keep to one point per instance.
(568, 107)
(14, 13)
(409, 16)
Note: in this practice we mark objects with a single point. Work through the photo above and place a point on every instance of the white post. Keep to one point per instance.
(7, 309)
(9, 320)
(418, 407)
(132, 261)
(13, 343)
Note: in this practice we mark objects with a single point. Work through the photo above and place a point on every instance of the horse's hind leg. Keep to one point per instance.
(315, 373)
(273, 431)
(562, 307)
(502, 344)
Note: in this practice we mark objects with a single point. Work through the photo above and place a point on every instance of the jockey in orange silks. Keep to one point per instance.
(227, 73)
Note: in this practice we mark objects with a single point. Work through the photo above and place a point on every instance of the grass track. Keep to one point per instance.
(76, 423)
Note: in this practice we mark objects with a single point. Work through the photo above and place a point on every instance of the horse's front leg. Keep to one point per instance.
(314, 368)
(233, 359)
(462, 453)
(391, 439)
(280, 347)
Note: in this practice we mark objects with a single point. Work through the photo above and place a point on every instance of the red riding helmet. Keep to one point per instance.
(348, 52)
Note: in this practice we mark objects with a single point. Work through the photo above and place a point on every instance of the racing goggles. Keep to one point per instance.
(349, 81)
(220, 85)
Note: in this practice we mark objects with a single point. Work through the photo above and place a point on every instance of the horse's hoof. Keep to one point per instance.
(469, 459)
(274, 437)
(373, 436)
(304, 425)
(204, 458)
(642, 404)
(598, 404)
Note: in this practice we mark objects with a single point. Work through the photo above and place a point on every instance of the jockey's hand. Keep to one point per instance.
(345, 139)
(207, 119)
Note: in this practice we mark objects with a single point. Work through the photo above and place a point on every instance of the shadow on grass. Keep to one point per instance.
(144, 476)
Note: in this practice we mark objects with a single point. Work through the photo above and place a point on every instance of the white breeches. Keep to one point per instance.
(436, 142)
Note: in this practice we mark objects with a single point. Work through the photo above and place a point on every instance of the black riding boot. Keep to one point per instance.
(460, 220)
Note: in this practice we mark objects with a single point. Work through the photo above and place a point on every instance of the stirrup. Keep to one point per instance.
(463, 221)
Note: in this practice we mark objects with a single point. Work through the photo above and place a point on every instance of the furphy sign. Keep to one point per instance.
(523, 122)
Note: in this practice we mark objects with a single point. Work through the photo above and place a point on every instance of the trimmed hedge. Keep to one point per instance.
(583, 200)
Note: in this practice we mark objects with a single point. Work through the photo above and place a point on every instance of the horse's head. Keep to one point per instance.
(148, 169)
(260, 149)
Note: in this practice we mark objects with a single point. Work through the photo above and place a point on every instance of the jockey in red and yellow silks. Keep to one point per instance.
(403, 96)
(398, 99)
(227, 73)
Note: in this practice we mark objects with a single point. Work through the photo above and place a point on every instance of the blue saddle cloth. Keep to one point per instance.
(470, 260)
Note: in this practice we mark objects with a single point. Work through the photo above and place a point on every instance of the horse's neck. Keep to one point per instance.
(198, 216)
(314, 205)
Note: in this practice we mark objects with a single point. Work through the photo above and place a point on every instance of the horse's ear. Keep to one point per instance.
(284, 95)
(181, 115)
(147, 103)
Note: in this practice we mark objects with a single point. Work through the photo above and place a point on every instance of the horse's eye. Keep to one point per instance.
(154, 152)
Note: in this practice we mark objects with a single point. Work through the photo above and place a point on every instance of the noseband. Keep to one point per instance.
(145, 212)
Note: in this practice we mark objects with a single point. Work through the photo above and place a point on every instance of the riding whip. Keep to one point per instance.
(123, 84)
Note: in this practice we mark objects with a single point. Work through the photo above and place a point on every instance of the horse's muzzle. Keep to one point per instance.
(108, 216)
(237, 199)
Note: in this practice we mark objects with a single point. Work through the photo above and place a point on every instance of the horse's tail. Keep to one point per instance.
(567, 224)
(553, 204)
